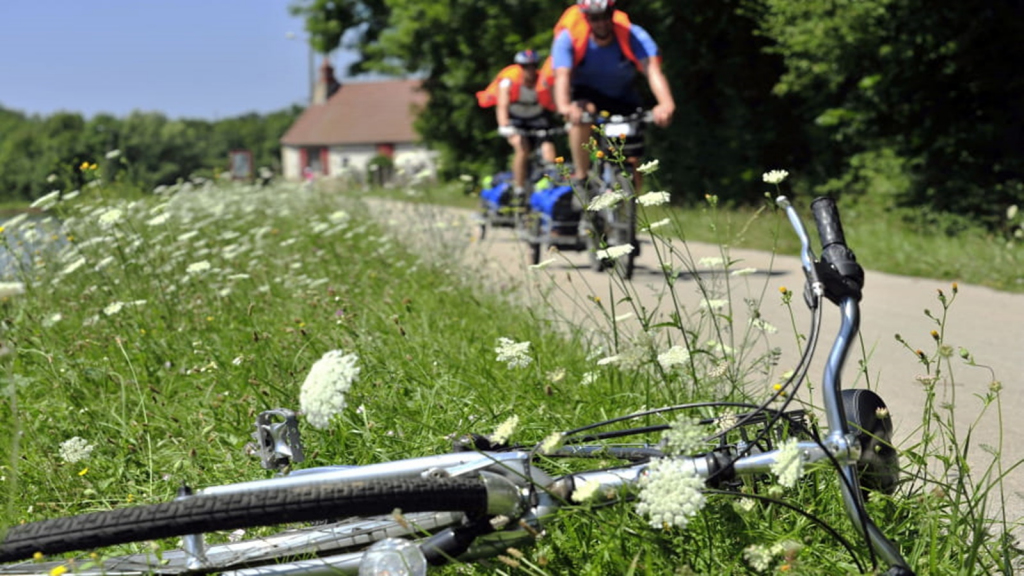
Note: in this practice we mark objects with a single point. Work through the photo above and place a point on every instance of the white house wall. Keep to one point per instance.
(291, 163)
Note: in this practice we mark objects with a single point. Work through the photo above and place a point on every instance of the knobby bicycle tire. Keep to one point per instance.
(207, 513)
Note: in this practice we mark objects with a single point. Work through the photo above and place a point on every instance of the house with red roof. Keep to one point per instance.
(345, 126)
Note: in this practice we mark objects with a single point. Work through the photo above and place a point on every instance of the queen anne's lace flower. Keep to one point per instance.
(653, 199)
(111, 217)
(505, 430)
(8, 289)
(789, 464)
(775, 176)
(74, 450)
(323, 392)
(516, 354)
(198, 267)
(585, 491)
(670, 493)
(113, 308)
(674, 356)
(605, 201)
(684, 436)
(614, 252)
(648, 167)
(759, 557)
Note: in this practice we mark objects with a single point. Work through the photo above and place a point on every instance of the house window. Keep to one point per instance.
(314, 159)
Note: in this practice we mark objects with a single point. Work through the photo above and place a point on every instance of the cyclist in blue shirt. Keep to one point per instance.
(596, 60)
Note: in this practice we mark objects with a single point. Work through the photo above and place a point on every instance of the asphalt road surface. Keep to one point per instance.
(986, 323)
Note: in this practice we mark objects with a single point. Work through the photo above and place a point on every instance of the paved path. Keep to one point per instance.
(987, 323)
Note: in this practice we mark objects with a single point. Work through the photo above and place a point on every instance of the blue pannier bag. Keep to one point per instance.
(556, 202)
(496, 196)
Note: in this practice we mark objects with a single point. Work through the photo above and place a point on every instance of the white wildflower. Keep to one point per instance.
(113, 154)
(674, 356)
(585, 491)
(73, 266)
(605, 201)
(51, 178)
(1011, 212)
(744, 505)
(74, 450)
(338, 216)
(744, 271)
(789, 464)
(711, 262)
(774, 176)
(615, 252)
(516, 354)
(759, 557)
(588, 378)
(107, 261)
(648, 167)
(158, 220)
(72, 194)
(188, 235)
(505, 430)
(110, 217)
(8, 289)
(113, 308)
(198, 267)
(659, 224)
(684, 436)
(323, 392)
(544, 264)
(44, 202)
(713, 304)
(670, 493)
(763, 325)
(52, 319)
(551, 443)
(653, 199)
(609, 360)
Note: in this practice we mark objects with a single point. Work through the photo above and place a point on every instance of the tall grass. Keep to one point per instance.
(154, 327)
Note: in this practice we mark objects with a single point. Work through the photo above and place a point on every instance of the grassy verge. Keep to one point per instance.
(154, 329)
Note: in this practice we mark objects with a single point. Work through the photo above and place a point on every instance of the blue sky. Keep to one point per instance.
(186, 58)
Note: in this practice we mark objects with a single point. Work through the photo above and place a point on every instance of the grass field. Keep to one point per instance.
(153, 329)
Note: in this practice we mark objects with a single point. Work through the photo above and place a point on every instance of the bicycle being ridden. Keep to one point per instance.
(487, 496)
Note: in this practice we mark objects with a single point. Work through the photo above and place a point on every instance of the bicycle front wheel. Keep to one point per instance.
(206, 513)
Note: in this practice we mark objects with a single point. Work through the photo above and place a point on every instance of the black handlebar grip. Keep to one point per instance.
(826, 216)
(839, 270)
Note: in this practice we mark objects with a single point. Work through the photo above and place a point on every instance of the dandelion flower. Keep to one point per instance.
(670, 493)
(8, 289)
(774, 176)
(505, 430)
(323, 392)
(653, 199)
(74, 450)
(648, 167)
(674, 356)
(516, 354)
(605, 201)
(198, 267)
(614, 252)
(789, 464)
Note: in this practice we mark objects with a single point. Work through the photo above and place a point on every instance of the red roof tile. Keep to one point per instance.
(361, 113)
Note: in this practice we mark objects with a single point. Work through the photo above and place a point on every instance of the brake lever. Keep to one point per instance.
(814, 288)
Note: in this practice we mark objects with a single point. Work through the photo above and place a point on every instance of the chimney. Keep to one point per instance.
(326, 84)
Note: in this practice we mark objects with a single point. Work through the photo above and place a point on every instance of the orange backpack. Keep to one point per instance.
(514, 73)
(575, 21)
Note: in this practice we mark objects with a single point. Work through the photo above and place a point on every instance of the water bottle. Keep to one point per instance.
(393, 557)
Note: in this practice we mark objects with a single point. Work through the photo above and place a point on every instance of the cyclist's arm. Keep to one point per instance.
(504, 99)
(656, 79)
(561, 53)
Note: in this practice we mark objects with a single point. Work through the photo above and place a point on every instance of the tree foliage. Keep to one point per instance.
(39, 154)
